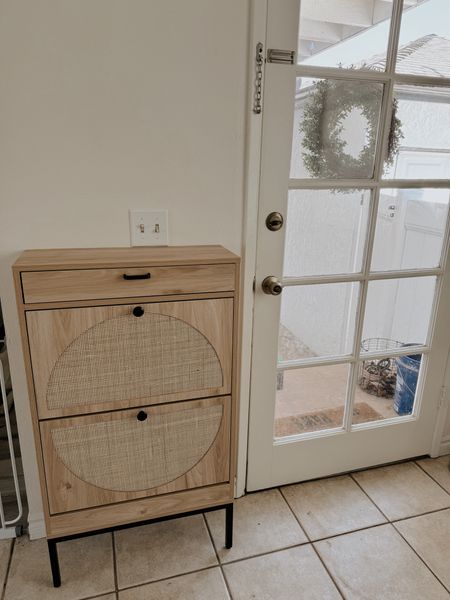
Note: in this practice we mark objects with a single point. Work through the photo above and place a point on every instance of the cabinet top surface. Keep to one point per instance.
(91, 258)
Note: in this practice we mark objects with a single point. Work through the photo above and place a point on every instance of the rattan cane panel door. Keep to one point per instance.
(89, 359)
(111, 457)
(153, 355)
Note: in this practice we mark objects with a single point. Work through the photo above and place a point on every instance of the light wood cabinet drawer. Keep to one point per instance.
(105, 357)
(123, 455)
(127, 282)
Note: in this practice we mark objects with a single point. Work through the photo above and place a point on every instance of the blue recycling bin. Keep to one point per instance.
(405, 388)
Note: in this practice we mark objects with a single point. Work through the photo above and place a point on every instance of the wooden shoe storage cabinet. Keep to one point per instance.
(131, 357)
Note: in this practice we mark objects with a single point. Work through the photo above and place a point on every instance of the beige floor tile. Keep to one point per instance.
(203, 585)
(292, 574)
(86, 569)
(402, 490)
(439, 469)
(262, 523)
(151, 552)
(5, 549)
(429, 535)
(331, 506)
(376, 564)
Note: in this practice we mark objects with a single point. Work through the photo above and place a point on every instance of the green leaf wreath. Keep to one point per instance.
(324, 153)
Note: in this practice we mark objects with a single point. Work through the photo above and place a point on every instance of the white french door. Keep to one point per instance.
(349, 359)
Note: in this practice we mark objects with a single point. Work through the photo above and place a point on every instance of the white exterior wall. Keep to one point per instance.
(325, 234)
(425, 124)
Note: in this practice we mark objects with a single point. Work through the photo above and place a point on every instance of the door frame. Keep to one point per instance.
(258, 18)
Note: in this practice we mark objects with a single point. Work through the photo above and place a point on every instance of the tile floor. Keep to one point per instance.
(381, 534)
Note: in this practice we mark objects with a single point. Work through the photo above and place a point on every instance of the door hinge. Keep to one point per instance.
(442, 397)
(281, 57)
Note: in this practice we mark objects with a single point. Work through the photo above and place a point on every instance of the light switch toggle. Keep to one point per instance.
(149, 227)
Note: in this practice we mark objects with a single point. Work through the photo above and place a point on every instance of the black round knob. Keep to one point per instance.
(142, 415)
(138, 311)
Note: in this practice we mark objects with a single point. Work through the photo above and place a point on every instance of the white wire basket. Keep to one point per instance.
(377, 376)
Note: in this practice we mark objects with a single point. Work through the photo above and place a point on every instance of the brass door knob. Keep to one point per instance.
(274, 221)
(271, 285)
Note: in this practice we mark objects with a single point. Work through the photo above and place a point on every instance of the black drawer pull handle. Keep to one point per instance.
(138, 311)
(142, 415)
(139, 276)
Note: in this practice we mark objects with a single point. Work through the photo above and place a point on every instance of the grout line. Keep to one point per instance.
(3, 591)
(420, 558)
(391, 463)
(266, 553)
(217, 556)
(431, 477)
(367, 495)
(114, 557)
(226, 584)
(424, 514)
(139, 585)
(312, 545)
(302, 529)
(103, 595)
(337, 535)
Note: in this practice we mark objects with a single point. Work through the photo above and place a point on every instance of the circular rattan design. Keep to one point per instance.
(126, 358)
(130, 455)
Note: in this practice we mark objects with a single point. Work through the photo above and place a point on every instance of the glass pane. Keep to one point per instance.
(310, 399)
(410, 229)
(424, 47)
(317, 320)
(339, 33)
(386, 388)
(423, 143)
(398, 312)
(325, 232)
(335, 128)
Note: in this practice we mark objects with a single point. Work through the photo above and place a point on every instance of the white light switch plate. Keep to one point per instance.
(149, 227)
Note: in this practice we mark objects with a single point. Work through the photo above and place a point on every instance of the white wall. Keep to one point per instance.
(111, 104)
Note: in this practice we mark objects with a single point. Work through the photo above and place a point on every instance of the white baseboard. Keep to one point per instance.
(36, 526)
(444, 448)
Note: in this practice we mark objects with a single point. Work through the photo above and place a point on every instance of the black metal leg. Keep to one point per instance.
(54, 562)
(53, 550)
(229, 526)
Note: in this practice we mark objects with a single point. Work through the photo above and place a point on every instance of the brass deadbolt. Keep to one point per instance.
(274, 221)
(271, 285)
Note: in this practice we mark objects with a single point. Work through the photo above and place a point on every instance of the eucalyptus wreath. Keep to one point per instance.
(324, 151)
